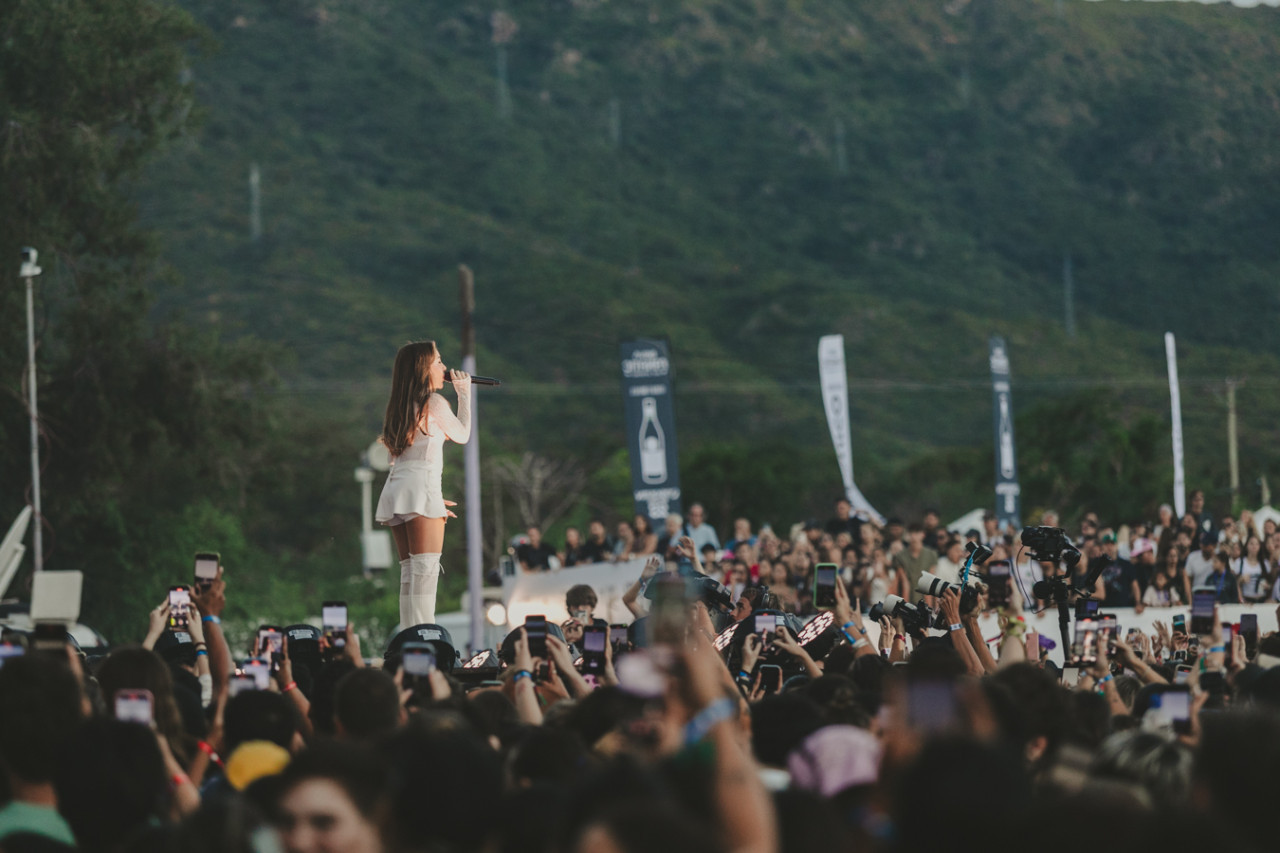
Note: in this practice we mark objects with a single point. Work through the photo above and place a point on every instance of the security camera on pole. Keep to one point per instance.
(28, 271)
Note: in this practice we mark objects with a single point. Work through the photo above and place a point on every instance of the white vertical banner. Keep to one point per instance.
(1175, 406)
(835, 399)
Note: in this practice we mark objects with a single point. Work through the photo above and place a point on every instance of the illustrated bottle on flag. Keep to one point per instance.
(1006, 438)
(653, 444)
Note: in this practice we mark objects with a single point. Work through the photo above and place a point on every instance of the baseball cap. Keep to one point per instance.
(435, 636)
(1108, 537)
(253, 760)
(304, 645)
(176, 648)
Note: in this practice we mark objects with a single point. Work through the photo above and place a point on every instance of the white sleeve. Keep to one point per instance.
(456, 427)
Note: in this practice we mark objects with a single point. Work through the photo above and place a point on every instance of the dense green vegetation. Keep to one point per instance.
(740, 176)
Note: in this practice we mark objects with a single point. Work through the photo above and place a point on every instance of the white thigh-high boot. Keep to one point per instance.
(424, 575)
(405, 589)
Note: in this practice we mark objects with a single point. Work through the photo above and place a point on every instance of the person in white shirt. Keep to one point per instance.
(1252, 572)
(1200, 563)
(949, 566)
(1161, 593)
(698, 530)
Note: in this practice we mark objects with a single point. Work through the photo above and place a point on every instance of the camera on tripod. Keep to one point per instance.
(1050, 545)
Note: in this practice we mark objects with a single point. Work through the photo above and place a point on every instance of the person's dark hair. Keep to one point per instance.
(839, 700)
(601, 711)
(111, 783)
(915, 527)
(580, 595)
(356, 768)
(642, 828)
(443, 788)
(553, 755)
(136, 668)
(935, 658)
(809, 822)
(259, 715)
(1270, 645)
(39, 709)
(1235, 765)
(366, 704)
(322, 708)
(221, 825)
(1127, 687)
(779, 723)
(952, 782)
(410, 390)
(1042, 702)
(1090, 719)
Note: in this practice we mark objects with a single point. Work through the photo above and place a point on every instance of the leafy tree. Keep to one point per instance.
(155, 440)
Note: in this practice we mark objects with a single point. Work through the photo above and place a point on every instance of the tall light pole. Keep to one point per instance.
(471, 459)
(28, 271)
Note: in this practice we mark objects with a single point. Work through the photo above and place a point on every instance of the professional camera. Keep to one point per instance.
(1050, 545)
(933, 585)
(914, 619)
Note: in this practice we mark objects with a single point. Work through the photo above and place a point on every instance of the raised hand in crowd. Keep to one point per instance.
(788, 643)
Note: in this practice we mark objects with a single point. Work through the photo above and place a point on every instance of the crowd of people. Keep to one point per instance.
(1137, 563)
(721, 719)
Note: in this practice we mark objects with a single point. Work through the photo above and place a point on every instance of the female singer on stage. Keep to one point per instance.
(414, 429)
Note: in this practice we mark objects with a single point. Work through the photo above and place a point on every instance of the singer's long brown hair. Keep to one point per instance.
(410, 390)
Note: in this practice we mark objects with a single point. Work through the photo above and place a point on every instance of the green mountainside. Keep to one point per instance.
(743, 176)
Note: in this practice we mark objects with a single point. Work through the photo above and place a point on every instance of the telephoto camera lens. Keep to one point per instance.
(933, 585)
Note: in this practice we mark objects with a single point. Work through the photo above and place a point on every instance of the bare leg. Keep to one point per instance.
(423, 536)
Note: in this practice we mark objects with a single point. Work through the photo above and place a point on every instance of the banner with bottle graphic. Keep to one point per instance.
(1008, 492)
(835, 399)
(651, 428)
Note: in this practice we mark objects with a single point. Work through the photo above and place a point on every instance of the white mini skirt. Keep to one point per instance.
(409, 493)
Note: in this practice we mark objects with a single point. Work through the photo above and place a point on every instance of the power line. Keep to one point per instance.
(704, 389)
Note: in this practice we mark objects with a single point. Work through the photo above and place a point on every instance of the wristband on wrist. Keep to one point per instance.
(216, 620)
(178, 780)
(1218, 650)
(956, 626)
(209, 751)
(200, 652)
(521, 673)
(292, 685)
(707, 719)
(743, 675)
(857, 627)
(1105, 679)
(862, 641)
(902, 637)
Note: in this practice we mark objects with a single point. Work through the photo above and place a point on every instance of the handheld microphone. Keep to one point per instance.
(475, 380)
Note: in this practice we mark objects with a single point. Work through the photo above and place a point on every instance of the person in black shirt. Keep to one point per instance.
(1118, 581)
(597, 548)
(845, 521)
(573, 545)
(535, 555)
